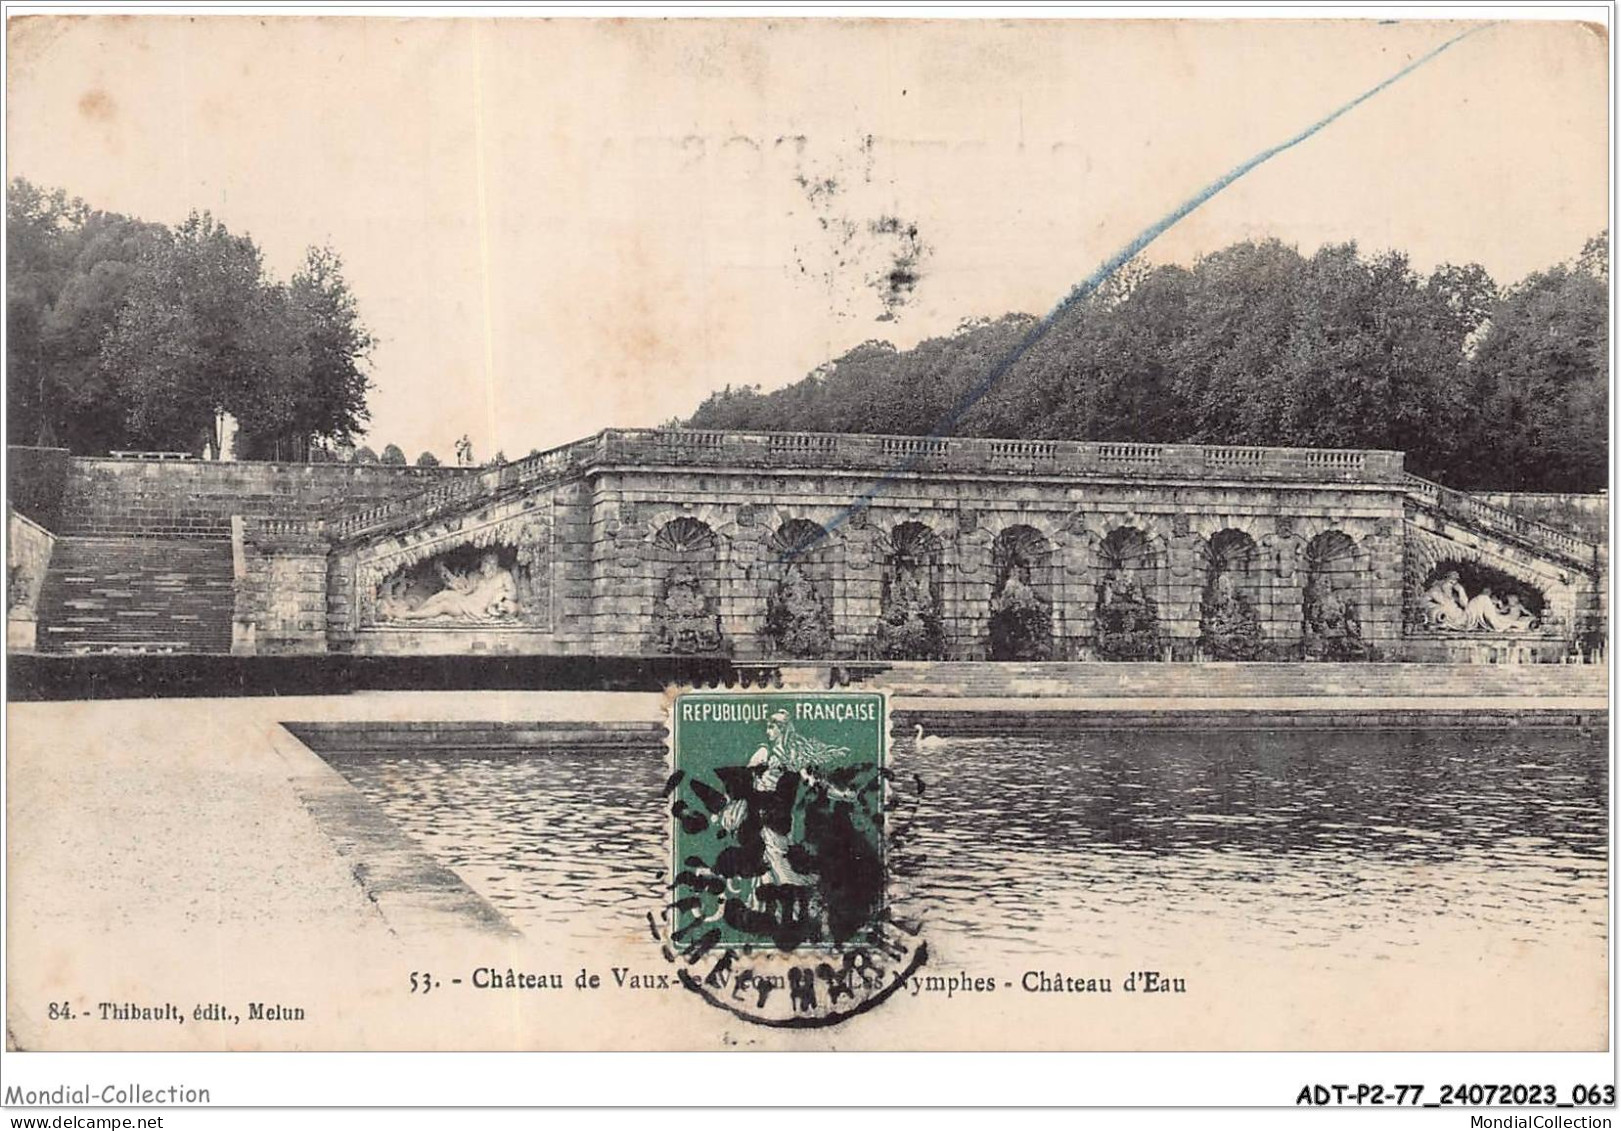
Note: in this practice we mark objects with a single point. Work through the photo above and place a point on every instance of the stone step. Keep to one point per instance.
(137, 595)
(1107, 680)
(477, 738)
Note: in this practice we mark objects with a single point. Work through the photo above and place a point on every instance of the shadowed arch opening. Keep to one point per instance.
(686, 573)
(909, 625)
(1021, 624)
(684, 535)
(1126, 619)
(469, 584)
(1334, 598)
(799, 607)
(1229, 620)
(1468, 596)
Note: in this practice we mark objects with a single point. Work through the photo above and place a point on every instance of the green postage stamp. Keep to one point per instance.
(782, 813)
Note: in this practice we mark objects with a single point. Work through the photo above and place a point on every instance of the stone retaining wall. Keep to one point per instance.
(738, 562)
(1062, 724)
(1149, 683)
(102, 497)
(777, 547)
(1586, 515)
(280, 592)
(28, 556)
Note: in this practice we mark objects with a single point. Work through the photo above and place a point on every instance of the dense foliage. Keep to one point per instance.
(1258, 344)
(129, 335)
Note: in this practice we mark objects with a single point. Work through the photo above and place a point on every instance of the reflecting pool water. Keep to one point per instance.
(1356, 842)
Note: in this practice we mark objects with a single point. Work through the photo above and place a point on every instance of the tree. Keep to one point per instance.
(364, 454)
(1257, 344)
(427, 459)
(125, 334)
(1374, 359)
(1594, 259)
(69, 269)
(393, 456)
(192, 341)
(1229, 354)
(1107, 371)
(1469, 295)
(1539, 379)
(334, 345)
(313, 384)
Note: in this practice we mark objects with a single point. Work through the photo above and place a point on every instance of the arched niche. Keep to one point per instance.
(909, 623)
(466, 585)
(1229, 608)
(1022, 595)
(799, 604)
(685, 559)
(1126, 620)
(1461, 596)
(1423, 551)
(490, 574)
(1334, 598)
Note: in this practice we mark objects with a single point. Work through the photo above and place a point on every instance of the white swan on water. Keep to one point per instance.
(927, 741)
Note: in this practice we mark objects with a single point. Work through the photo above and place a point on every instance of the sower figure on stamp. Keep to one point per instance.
(779, 767)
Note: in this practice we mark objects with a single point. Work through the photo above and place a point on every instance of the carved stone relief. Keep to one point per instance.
(494, 575)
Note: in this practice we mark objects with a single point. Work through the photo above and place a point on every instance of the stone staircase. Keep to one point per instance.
(982, 680)
(1509, 526)
(529, 474)
(136, 595)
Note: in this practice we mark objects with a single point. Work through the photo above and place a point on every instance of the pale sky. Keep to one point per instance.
(556, 226)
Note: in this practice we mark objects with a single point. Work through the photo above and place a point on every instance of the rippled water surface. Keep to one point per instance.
(1356, 840)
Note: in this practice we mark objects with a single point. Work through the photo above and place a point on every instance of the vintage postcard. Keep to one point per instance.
(801, 534)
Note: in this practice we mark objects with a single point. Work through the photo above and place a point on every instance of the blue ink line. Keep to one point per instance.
(1102, 275)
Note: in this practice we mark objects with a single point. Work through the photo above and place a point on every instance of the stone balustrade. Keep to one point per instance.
(1501, 521)
(262, 527)
(899, 454)
(892, 455)
(526, 472)
(690, 447)
(144, 455)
